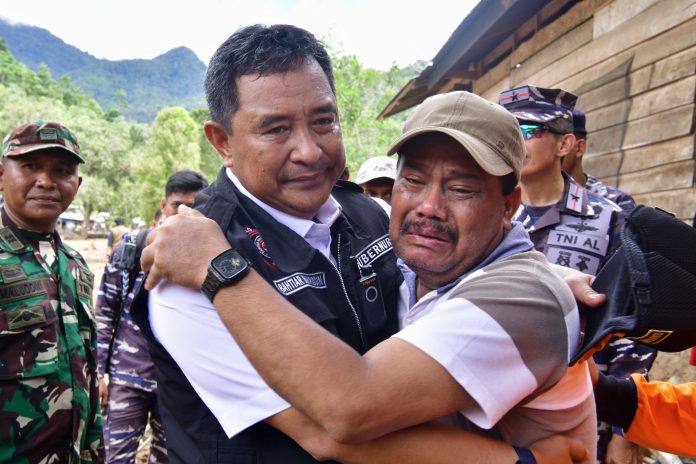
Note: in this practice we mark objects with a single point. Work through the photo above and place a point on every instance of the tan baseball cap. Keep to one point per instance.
(375, 168)
(489, 132)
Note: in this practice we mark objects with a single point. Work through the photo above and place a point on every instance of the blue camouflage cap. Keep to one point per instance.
(552, 108)
(579, 124)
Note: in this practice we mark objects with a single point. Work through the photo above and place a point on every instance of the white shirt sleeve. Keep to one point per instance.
(185, 322)
(478, 353)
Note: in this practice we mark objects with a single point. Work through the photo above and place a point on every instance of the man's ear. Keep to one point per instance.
(581, 145)
(511, 205)
(79, 181)
(2, 183)
(220, 139)
(567, 142)
(163, 203)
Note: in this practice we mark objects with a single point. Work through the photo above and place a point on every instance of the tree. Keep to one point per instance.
(174, 145)
(211, 162)
(361, 94)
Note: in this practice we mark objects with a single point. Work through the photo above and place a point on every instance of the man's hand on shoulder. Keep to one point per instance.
(181, 249)
(580, 284)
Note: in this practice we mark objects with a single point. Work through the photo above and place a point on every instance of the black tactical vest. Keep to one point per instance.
(356, 300)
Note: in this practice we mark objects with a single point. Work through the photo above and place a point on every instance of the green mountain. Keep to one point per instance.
(137, 88)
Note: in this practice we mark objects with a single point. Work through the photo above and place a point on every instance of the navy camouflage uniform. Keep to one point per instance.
(132, 387)
(624, 200)
(49, 398)
(582, 231)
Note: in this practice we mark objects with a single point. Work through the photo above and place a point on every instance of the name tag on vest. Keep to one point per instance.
(21, 290)
(374, 251)
(296, 282)
(590, 243)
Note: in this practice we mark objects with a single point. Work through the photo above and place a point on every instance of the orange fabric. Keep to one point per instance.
(666, 417)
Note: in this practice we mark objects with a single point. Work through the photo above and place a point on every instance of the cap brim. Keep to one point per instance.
(486, 157)
(373, 176)
(35, 147)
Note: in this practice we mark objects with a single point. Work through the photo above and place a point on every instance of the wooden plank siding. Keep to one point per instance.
(633, 65)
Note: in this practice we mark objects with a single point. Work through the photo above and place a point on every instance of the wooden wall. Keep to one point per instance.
(633, 65)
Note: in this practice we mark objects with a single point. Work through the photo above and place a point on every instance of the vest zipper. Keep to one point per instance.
(345, 292)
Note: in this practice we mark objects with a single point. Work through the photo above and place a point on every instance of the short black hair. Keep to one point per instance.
(260, 50)
(158, 215)
(118, 221)
(508, 182)
(183, 182)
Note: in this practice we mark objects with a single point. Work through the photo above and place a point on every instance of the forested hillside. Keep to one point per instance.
(137, 88)
(127, 162)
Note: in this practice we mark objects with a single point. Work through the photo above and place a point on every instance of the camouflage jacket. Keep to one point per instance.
(49, 397)
(129, 362)
(618, 196)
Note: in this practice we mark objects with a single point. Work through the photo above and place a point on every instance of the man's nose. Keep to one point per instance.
(44, 179)
(306, 148)
(433, 203)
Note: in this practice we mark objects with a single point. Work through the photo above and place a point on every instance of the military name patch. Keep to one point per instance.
(374, 251)
(590, 243)
(12, 273)
(296, 282)
(21, 290)
(7, 236)
(25, 317)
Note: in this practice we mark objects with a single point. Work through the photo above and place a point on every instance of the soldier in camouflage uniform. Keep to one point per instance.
(572, 164)
(122, 350)
(49, 400)
(570, 225)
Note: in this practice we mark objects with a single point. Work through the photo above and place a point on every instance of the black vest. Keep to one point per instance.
(360, 307)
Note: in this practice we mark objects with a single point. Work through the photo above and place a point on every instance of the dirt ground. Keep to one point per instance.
(672, 367)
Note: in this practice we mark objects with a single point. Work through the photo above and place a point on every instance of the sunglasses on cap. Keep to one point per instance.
(534, 131)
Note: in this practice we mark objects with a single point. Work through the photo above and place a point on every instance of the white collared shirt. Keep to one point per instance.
(316, 234)
(185, 322)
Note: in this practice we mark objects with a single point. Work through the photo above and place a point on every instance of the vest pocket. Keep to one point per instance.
(28, 344)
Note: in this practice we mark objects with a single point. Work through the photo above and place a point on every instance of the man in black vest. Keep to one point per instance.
(326, 249)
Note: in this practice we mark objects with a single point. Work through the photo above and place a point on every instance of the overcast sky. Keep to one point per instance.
(378, 32)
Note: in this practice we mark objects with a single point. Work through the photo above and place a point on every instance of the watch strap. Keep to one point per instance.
(524, 455)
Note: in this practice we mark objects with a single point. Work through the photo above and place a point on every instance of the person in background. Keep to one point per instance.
(376, 177)
(49, 399)
(115, 235)
(130, 396)
(657, 415)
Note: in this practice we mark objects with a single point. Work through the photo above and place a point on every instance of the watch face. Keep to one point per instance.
(229, 264)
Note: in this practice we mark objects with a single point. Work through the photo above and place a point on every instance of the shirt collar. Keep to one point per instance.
(327, 214)
(515, 241)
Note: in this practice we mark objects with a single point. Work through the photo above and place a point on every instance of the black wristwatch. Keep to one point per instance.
(225, 269)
